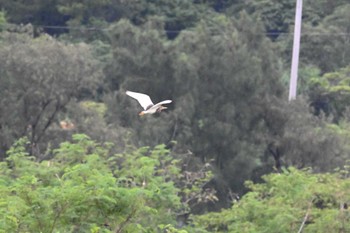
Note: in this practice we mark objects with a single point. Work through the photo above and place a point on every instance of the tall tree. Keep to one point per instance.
(278, 16)
(327, 45)
(39, 77)
(222, 77)
(37, 12)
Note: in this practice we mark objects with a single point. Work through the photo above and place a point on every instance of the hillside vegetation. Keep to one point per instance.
(230, 154)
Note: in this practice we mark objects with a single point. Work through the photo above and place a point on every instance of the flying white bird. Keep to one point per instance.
(147, 104)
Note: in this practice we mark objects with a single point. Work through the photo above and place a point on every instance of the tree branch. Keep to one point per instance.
(276, 155)
(122, 225)
(58, 107)
(36, 121)
(305, 217)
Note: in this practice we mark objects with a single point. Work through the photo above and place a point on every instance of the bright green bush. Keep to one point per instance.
(293, 201)
(85, 189)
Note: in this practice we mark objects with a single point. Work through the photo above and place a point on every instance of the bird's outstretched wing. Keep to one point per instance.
(144, 100)
(163, 102)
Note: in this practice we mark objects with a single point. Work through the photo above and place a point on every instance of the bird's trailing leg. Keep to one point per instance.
(161, 108)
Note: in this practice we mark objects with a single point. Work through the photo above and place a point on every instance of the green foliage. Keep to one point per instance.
(38, 80)
(176, 15)
(324, 44)
(278, 15)
(99, 108)
(86, 14)
(85, 189)
(170, 229)
(2, 20)
(38, 12)
(221, 66)
(223, 73)
(330, 93)
(78, 9)
(287, 202)
(301, 139)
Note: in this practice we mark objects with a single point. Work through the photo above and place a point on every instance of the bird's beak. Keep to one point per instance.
(141, 113)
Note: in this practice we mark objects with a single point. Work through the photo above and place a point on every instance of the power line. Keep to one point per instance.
(73, 28)
(84, 28)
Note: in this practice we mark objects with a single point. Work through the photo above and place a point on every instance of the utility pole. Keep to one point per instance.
(296, 48)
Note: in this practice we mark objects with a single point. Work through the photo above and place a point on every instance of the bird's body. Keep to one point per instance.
(147, 104)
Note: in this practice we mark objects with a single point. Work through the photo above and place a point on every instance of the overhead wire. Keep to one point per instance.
(84, 28)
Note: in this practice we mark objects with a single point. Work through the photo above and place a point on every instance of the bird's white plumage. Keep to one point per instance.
(144, 100)
(162, 102)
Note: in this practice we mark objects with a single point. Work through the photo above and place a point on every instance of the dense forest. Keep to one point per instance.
(230, 154)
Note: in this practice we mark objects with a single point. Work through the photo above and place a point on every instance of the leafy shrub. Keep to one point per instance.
(85, 189)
